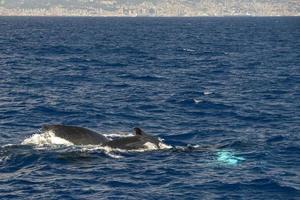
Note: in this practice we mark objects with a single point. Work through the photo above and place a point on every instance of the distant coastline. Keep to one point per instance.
(115, 16)
(163, 8)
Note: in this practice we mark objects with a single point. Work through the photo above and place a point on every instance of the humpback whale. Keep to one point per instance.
(137, 141)
(76, 135)
(83, 136)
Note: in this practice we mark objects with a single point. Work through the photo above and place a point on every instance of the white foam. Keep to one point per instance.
(91, 148)
(114, 155)
(149, 146)
(198, 101)
(163, 145)
(207, 92)
(3, 159)
(46, 138)
(189, 50)
(117, 134)
(8, 145)
(107, 150)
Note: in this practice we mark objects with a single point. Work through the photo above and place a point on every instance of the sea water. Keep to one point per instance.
(221, 93)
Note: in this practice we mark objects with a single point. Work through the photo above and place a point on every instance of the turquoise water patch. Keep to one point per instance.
(228, 157)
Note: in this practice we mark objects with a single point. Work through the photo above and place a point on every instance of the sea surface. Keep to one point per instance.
(224, 93)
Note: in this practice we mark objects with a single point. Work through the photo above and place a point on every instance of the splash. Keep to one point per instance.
(163, 145)
(46, 138)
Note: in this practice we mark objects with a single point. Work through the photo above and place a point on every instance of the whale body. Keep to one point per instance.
(83, 136)
(138, 141)
(76, 135)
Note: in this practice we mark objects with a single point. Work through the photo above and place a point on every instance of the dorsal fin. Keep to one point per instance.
(138, 131)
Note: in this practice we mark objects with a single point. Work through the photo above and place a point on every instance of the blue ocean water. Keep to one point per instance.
(224, 92)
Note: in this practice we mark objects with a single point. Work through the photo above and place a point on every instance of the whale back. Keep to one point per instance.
(84, 136)
(137, 141)
(76, 135)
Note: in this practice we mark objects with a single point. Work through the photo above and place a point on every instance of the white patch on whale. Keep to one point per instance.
(164, 146)
(150, 146)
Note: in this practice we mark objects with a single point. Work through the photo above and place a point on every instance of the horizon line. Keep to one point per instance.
(149, 16)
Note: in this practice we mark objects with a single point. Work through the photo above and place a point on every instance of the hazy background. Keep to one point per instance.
(150, 7)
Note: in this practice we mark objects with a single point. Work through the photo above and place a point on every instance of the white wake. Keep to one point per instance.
(46, 138)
